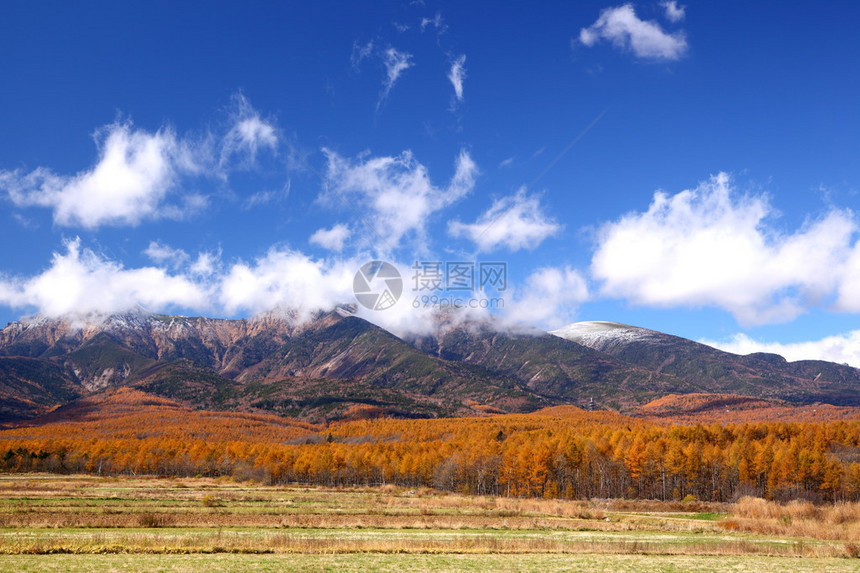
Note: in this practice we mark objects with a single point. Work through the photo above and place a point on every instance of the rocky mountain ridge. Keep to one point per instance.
(337, 365)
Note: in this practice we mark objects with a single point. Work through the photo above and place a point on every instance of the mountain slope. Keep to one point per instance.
(339, 366)
(349, 348)
(29, 387)
(561, 370)
(760, 375)
(268, 362)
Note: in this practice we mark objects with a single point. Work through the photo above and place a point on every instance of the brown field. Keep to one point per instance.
(50, 522)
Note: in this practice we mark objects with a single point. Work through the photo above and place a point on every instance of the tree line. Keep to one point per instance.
(561, 453)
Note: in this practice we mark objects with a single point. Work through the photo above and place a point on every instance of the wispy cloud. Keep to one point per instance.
(206, 265)
(710, 246)
(162, 254)
(674, 13)
(396, 63)
(456, 75)
(646, 39)
(248, 134)
(261, 198)
(360, 52)
(394, 196)
(515, 222)
(436, 21)
(332, 239)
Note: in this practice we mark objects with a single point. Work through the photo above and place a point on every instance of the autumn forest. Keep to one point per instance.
(560, 452)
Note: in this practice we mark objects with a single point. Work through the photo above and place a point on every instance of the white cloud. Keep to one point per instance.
(625, 30)
(81, 283)
(332, 239)
(506, 162)
(293, 281)
(710, 247)
(395, 64)
(248, 134)
(140, 175)
(516, 222)
(674, 13)
(131, 181)
(286, 279)
(83, 286)
(848, 293)
(162, 254)
(261, 198)
(465, 173)
(394, 194)
(842, 348)
(456, 75)
(436, 21)
(549, 298)
(206, 264)
(360, 52)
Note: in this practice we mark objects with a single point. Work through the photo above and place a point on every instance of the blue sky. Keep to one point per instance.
(690, 168)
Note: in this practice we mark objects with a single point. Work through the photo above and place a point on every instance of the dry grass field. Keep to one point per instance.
(83, 523)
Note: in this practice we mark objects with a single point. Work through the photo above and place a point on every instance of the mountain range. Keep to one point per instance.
(338, 366)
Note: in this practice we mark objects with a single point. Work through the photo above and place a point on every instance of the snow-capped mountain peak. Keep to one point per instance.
(600, 334)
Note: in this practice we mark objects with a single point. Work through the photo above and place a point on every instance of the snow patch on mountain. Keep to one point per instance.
(602, 334)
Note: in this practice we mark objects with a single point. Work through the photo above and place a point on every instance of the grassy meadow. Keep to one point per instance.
(83, 523)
